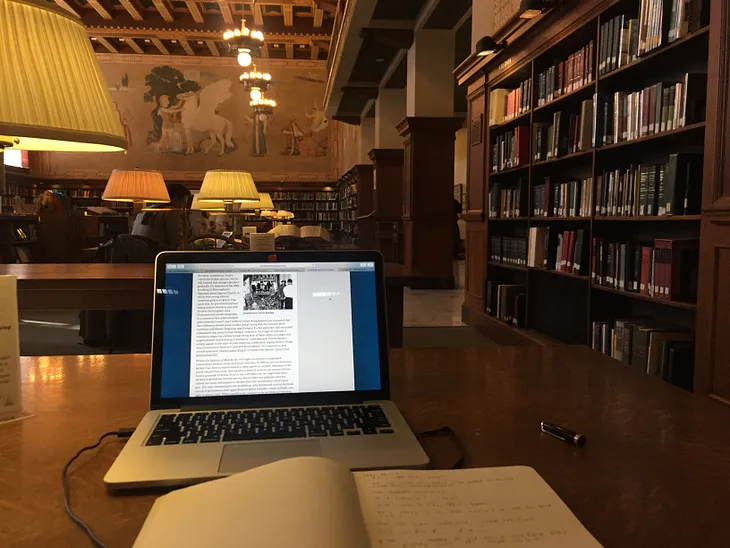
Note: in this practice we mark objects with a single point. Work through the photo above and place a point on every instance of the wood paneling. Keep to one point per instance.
(475, 264)
(388, 197)
(428, 190)
(477, 128)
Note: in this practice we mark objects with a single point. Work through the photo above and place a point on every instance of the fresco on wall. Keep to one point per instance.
(184, 116)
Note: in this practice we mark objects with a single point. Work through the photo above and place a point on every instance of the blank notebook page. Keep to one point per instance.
(507, 506)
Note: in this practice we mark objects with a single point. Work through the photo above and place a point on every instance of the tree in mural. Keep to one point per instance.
(168, 82)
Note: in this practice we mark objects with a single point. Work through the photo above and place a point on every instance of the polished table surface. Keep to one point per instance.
(655, 471)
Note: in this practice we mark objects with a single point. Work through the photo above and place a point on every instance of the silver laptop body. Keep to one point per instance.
(258, 357)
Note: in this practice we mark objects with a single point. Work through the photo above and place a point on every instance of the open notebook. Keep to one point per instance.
(311, 502)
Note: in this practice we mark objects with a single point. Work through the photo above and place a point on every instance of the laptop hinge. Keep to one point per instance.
(220, 407)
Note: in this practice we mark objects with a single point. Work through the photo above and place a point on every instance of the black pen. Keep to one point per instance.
(563, 434)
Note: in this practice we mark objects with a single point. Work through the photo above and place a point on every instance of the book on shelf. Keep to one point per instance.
(661, 107)
(504, 203)
(566, 75)
(564, 251)
(507, 302)
(619, 43)
(674, 188)
(666, 268)
(508, 250)
(569, 199)
(511, 149)
(658, 349)
(505, 105)
(567, 134)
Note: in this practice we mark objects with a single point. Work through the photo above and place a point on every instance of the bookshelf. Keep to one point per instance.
(576, 97)
(310, 207)
(18, 238)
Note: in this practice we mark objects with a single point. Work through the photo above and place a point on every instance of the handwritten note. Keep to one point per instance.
(509, 506)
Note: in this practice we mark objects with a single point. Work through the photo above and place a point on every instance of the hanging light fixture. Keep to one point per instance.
(245, 42)
(256, 83)
(263, 105)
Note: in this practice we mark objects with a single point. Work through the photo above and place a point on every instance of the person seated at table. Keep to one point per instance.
(165, 226)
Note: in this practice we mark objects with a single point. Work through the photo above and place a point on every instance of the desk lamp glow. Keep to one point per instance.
(229, 187)
(139, 186)
(54, 97)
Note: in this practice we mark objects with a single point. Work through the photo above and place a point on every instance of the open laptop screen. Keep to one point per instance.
(233, 329)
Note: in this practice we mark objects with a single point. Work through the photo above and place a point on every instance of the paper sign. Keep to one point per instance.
(11, 403)
(262, 242)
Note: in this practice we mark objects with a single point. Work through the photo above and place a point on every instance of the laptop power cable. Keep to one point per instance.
(122, 433)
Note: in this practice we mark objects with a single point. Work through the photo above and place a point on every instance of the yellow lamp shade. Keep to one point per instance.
(228, 186)
(211, 205)
(136, 185)
(264, 203)
(54, 96)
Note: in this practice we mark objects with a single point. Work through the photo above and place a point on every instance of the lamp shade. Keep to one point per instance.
(136, 185)
(229, 186)
(212, 205)
(264, 203)
(54, 96)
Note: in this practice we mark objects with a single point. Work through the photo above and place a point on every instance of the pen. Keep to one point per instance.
(563, 434)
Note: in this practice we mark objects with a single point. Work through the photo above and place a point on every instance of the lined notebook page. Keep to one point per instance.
(508, 506)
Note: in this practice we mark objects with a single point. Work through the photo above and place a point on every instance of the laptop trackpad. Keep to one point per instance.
(238, 457)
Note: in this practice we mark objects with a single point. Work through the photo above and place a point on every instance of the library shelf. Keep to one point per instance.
(563, 98)
(699, 126)
(553, 219)
(639, 296)
(524, 117)
(508, 266)
(510, 170)
(648, 218)
(567, 157)
(506, 219)
(559, 273)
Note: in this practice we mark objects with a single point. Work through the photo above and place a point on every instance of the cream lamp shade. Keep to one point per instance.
(54, 97)
(264, 203)
(136, 185)
(197, 205)
(228, 186)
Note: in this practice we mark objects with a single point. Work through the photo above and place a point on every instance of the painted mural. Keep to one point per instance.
(184, 116)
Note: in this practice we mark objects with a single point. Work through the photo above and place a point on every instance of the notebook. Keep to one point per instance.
(313, 502)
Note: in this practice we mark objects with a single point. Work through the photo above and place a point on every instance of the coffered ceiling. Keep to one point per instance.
(294, 29)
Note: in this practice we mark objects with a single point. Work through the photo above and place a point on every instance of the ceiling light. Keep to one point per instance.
(487, 46)
(255, 94)
(244, 58)
(529, 9)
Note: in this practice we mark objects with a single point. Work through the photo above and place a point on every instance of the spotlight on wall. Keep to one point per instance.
(529, 9)
(487, 46)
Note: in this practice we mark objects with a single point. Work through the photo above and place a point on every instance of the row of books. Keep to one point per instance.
(508, 250)
(26, 233)
(567, 75)
(507, 302)
(664, 21)
(674, 188)
(511, 149)
(550, 249)
(567, 134)
(619, 43)
(568, 199)
(661, 350)
(504, 104)
(662, 107)
(503, 202)
(327, 206)
(665, 269)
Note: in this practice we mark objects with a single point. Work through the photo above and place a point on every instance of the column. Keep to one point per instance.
(428, 132)
(387, 158)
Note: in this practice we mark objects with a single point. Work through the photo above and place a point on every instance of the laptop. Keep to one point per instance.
(258, 357)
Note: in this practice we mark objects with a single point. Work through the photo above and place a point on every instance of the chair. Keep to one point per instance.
(206, 242)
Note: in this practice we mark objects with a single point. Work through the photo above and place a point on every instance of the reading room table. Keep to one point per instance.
(655, 471)
(101, 286)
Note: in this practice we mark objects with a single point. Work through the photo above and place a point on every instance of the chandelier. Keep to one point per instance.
(263, 105)
(245, 42)
(256, 83)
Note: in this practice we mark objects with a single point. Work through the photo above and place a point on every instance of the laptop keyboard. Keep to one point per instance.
(269, 424)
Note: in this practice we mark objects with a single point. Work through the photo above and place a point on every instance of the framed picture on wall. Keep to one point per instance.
(476, 129)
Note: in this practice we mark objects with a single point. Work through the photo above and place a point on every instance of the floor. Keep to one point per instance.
(432, 318)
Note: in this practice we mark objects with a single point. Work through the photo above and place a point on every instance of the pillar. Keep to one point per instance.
(428, 133)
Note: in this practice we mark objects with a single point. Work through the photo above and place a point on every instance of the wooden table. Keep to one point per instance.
(654, 473)
(98, 286)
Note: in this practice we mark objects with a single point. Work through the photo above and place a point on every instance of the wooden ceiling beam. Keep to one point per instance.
(395, 38)
(186, 46)
(162, 9)
(173, 34)
(107, 44)
(194, 11)
(101, 10)
(288, 12)
(213, 48)
(314, 52)
(289, 51)
(160, 46)
(258, 16)
(226, 13)
(131, 10)
(134, 45)
(65, 5)
(318, 17)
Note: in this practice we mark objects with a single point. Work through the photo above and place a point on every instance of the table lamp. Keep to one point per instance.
(54, 97)
(139, 186)
(209, 206)
(264, 203)
(229, 187)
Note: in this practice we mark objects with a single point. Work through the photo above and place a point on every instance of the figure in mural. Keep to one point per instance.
(199, 114)
(319, 119)
(294, 136)
(125, 118)
(170, 139)
(164, 81)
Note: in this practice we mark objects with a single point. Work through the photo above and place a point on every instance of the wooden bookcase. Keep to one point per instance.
(310, 207)
(561, 306)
